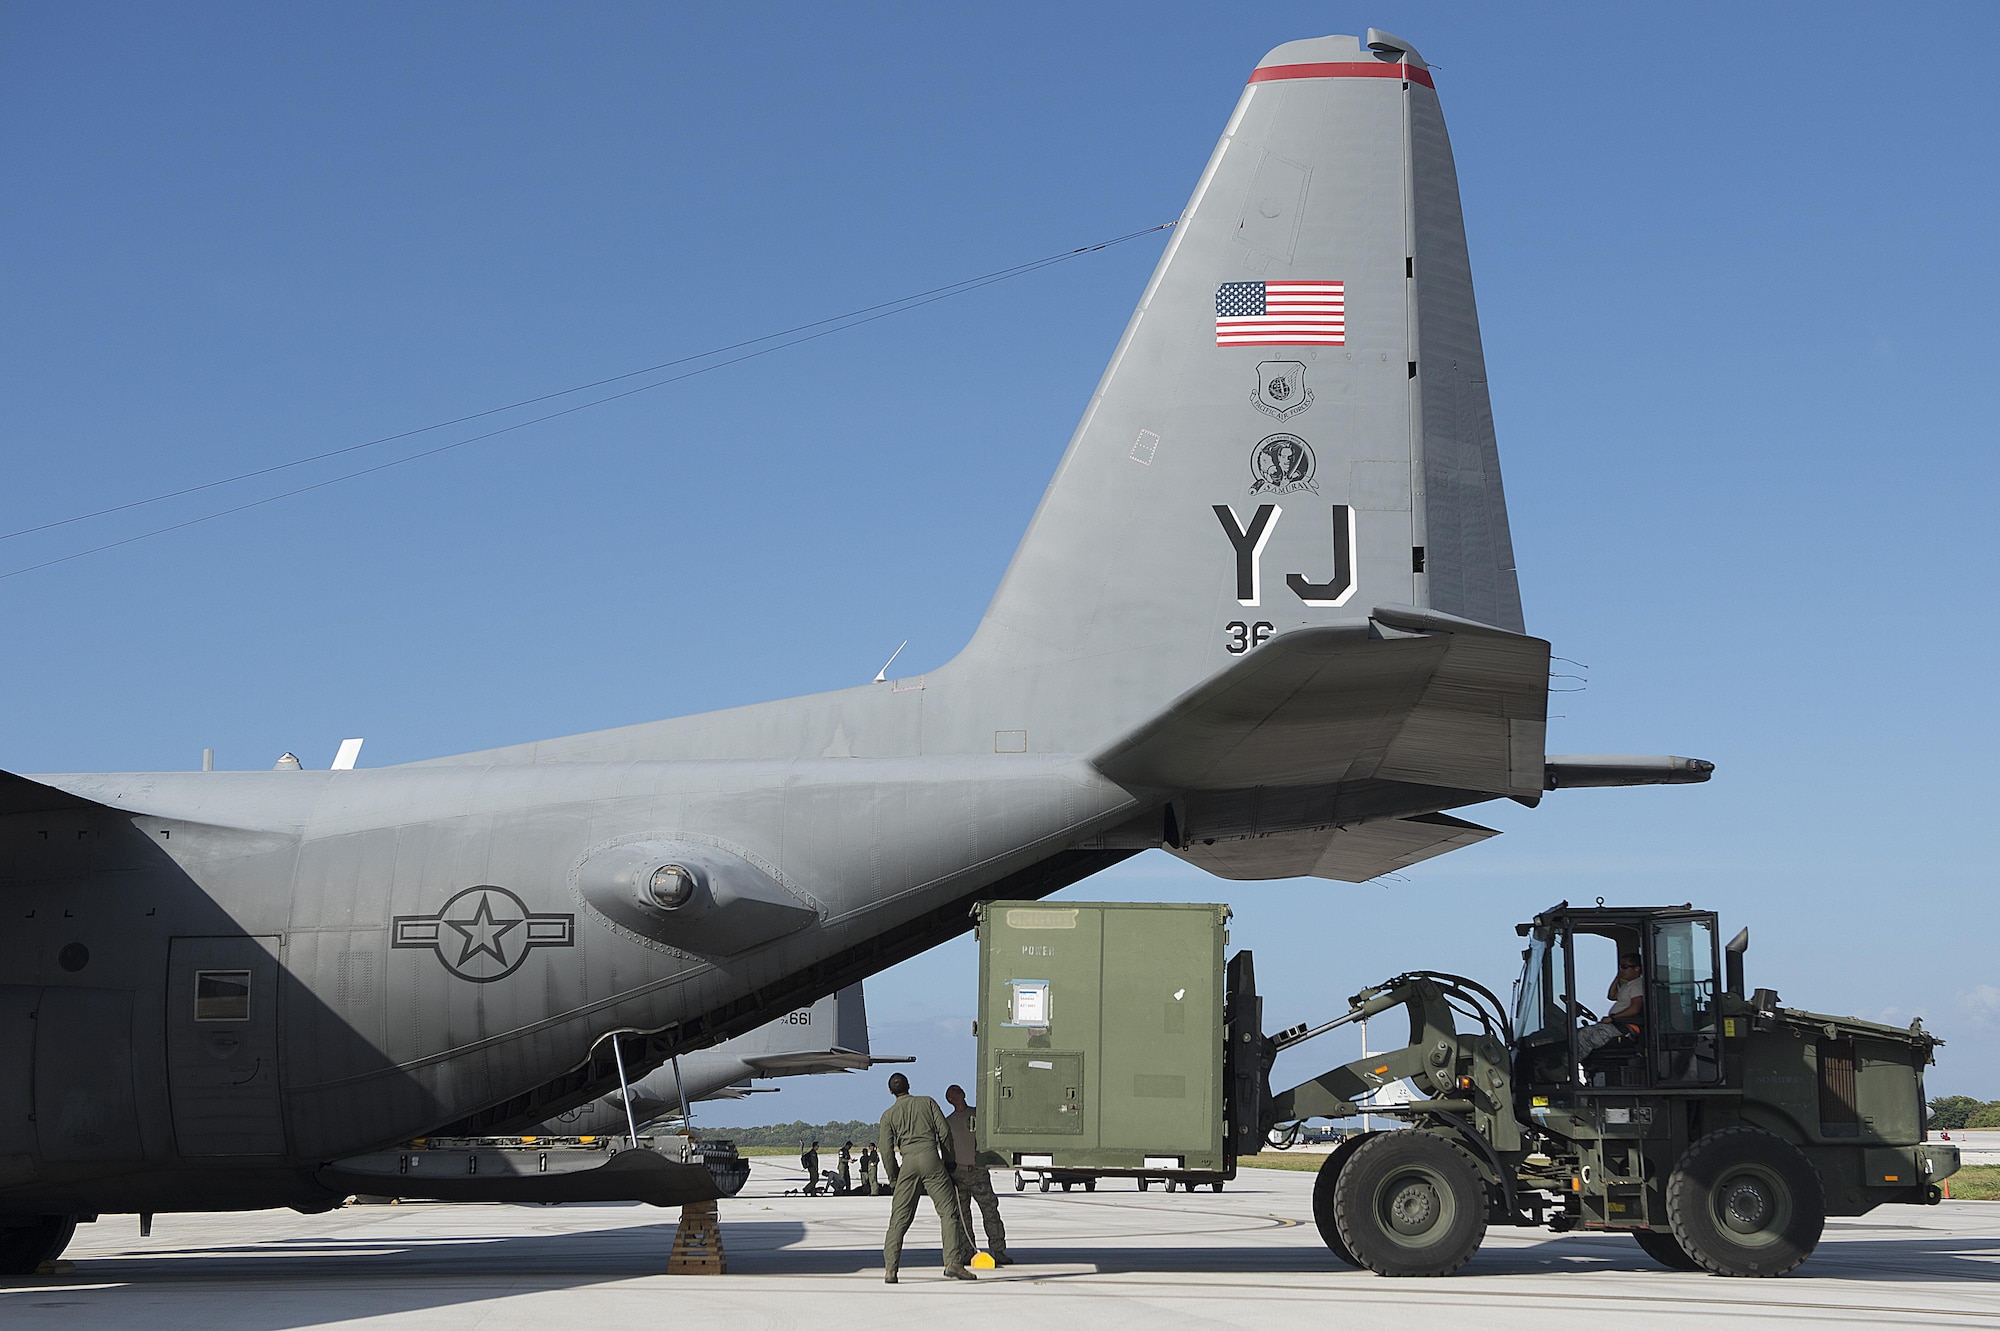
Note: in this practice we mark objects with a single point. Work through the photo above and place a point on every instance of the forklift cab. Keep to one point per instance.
(1676, 1042)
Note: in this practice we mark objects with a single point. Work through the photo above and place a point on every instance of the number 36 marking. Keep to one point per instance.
(1242, 636)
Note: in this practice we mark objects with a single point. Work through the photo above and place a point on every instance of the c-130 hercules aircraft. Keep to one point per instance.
(1265, 617)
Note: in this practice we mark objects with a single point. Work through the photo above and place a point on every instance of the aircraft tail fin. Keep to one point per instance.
(1294, 428)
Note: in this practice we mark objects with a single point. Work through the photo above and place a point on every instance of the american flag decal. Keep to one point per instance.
(1281, 314)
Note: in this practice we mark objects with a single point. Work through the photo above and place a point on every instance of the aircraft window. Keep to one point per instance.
(222, 995)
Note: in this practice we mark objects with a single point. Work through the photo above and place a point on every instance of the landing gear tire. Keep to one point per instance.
(1329, 1174)
(1410, 1204)
(1744, 1202)
(23, 1248)
(1664, 1248)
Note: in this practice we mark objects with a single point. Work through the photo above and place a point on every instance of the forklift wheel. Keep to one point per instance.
(1218, 1185)
(1410, 1204)
(1329, 1171)
(1745, 1202)
(1090, 1185)
(1664, 1248)
(1020, 1184)
(1144, 1184)
(1045, 1183)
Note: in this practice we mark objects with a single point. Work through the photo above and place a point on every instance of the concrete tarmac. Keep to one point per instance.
(1113, 1259)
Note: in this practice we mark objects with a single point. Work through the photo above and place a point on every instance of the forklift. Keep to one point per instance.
(1718, 1129)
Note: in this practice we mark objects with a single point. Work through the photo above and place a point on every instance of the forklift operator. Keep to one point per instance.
(1628, 994)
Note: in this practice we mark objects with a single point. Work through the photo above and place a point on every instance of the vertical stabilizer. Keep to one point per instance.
(1293, 430)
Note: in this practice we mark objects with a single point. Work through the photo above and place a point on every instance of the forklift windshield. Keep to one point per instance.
(1538, 1009)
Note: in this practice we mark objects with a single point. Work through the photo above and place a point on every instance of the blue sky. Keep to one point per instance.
(1736, 270)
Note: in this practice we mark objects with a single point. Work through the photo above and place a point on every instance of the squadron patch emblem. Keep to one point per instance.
(1281, 389)
(484, 933)
(1281, 464)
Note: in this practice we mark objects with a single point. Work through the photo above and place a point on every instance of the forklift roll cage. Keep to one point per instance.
(1678, 1043)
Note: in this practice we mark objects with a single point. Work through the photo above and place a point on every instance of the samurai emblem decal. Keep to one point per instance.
(484, 933)
(1281, 389)
(1281, 464)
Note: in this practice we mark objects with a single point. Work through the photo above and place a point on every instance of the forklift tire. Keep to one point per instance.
(1020, 1184)
(1090, 1185)
(1144, 1184)
(1045, 1183)
(1664, 1248)
(23, 1248)
(1410, 1204)
(1329, 1173)
(1745, 1202)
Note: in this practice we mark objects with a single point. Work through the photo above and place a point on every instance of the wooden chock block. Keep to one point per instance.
(698, 1242)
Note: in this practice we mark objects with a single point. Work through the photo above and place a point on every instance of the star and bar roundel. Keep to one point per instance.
(484, 933)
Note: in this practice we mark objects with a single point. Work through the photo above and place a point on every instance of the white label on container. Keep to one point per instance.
(1031, 1002)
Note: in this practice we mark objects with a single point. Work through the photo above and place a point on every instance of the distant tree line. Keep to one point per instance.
(1962, 1111)
(1947, 1112)
(798, 1133)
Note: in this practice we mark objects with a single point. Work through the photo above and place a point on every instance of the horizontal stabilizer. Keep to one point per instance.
(1574, 771)
(1349, 854)
(1405, 695)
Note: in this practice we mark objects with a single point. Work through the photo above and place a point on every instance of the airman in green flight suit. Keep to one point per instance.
(914, 1128)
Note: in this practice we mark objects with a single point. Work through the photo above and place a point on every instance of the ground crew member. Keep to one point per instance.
(809, 1161)
(914, 1129)
(846, 1163)
(1628, 993)
(972, 1181)
(869, 1162)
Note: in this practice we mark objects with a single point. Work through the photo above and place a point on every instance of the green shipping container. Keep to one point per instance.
(1101, 1036)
